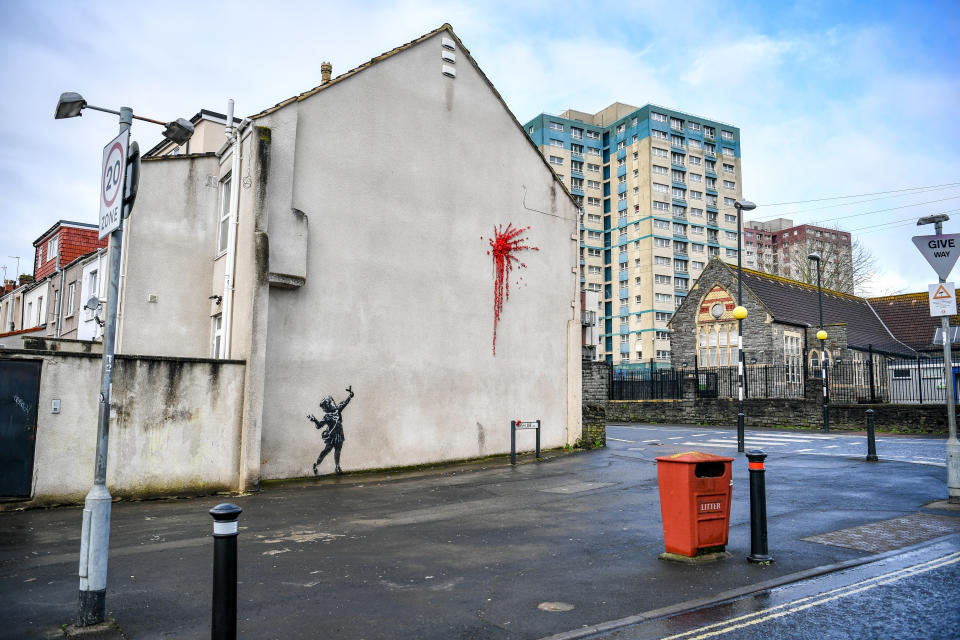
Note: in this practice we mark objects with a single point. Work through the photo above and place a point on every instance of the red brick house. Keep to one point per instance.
(63, 243)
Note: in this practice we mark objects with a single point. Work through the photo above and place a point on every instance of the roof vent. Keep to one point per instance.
(449, 71)
(448, 56)
(448, 43)
(326, 70)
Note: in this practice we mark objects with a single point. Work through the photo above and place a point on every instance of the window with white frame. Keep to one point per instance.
(729, 218)
(662, 298)
(593, 151)
(676, 141)
(556, 126)
(593, 201)
(696, 248)
(556, 143)
(696, 195)
(224, 226)
(216, 345)
(696, 265)
(694, 160)
(659, 153)
(53, 247)
(557, 160)
(593, 135)
(593, 184)
(659, 135)
(71, 298)
(661, 261)
(696, 213)
(694, 144)
(621, 145)
(662, 316)
(657, 169)
(696, 177)
(679, 193)
(729, 201)
(728, 167)
(726, 135)
(660, 206)
(658, 117)
(663, 243)
(595, 168)
(710, 132)
(729, 184)
(728, 152)
(676, 158)
(660, 188)
(661, 224)
(576, 133)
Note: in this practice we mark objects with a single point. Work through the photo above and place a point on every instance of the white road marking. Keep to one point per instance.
(832, 446)
(619, 440)
(710, 444)
(802, 450)
(751, 441)
(677, 438)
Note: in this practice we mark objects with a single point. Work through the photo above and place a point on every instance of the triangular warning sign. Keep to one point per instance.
(941, 294)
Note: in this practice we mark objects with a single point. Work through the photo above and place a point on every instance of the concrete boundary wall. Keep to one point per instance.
(174, 428)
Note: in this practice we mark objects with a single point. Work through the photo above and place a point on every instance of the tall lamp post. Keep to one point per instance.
(822, 337)
(95, 534)
(740, 313)
(953, 445)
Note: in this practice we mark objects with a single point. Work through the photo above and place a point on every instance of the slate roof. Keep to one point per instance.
(793, 302)
(908, 317)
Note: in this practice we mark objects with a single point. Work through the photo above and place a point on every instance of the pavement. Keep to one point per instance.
(564, 547)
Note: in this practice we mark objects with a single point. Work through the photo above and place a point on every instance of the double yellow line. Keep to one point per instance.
(771, 613)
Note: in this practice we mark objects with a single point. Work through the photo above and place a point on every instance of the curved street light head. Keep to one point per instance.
(178, 131)
(821, 335)
(69, 105)
(814, 256)
(740, 313)
(744, 205)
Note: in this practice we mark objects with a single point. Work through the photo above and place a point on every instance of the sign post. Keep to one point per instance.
(941, 251)
(95, 532)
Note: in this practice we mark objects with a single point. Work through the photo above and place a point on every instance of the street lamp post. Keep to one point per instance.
(740, 313)
(95, 533)
(822, 337)
(953, 445)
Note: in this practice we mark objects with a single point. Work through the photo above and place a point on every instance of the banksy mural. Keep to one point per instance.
(332, 425)
(504, 247)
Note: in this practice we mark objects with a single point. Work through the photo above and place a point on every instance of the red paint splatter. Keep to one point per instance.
(504, 246)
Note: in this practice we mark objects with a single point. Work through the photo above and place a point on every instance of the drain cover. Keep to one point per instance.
(555, 606)
(890, 534)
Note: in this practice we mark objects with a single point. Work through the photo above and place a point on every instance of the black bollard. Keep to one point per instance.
(225, 531)
(513, 442)
(740, 434)
(871, 439)
(758, 508)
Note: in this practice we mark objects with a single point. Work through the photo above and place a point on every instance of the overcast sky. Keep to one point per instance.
(832, 98)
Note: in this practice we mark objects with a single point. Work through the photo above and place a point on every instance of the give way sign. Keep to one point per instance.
(112, 181)
(940, 251)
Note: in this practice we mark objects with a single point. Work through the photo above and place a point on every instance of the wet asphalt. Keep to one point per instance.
(480, 550)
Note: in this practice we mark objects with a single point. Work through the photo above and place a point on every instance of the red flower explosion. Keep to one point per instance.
(503, 247)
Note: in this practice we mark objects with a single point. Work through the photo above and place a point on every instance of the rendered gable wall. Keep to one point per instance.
(403, 174)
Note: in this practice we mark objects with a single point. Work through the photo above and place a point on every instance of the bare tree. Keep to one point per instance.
(847, 269)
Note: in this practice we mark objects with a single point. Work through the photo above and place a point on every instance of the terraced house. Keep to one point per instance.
(656, 189)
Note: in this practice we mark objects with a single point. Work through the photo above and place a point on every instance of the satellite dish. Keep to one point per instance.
(92, 304)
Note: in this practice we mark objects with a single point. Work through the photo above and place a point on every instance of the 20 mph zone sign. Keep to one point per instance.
(112, 183)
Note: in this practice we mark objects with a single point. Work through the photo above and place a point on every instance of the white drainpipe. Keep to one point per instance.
(233, 135)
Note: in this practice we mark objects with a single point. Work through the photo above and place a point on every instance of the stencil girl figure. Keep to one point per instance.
(333, 434)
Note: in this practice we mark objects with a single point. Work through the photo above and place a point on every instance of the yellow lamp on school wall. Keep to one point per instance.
(821, 335)
(739, 313)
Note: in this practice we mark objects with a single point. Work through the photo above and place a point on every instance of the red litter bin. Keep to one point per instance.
(694, 502)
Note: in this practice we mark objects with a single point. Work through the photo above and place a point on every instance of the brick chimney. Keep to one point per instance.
(326, 69)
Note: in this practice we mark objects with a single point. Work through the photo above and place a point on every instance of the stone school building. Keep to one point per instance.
(781, 325)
